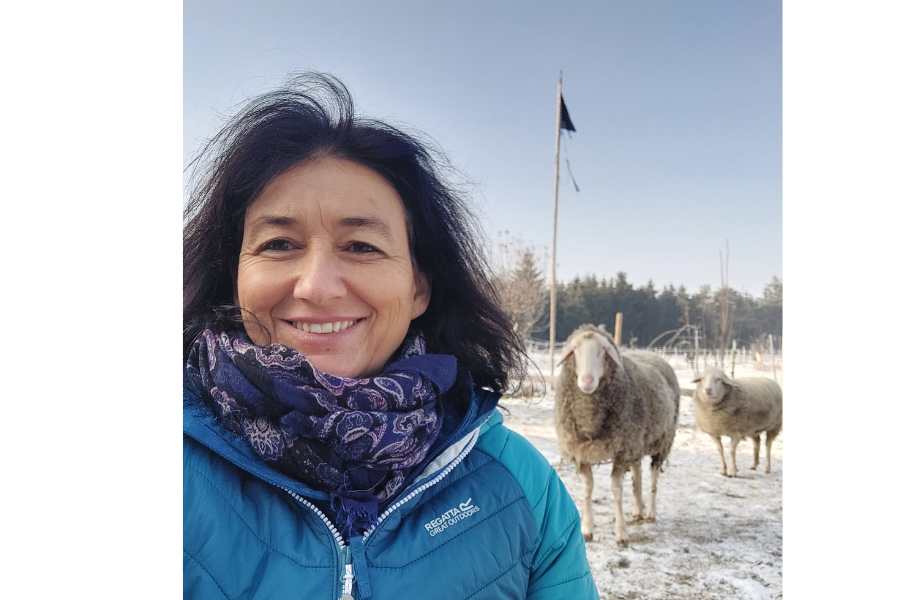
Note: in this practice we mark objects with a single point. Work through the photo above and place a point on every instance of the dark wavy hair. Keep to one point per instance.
(313, 116)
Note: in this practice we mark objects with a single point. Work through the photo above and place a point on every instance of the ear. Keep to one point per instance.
(729, 381)
(698, 380)
(610, 350)
(613, 355)
(567, 350)
(611, 363)
(421, 295)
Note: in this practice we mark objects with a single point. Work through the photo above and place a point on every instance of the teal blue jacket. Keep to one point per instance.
(488, 518)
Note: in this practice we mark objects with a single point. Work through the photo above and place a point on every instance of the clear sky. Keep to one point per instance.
(677, 107)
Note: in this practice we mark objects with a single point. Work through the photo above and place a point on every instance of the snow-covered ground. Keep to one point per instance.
(715, 538)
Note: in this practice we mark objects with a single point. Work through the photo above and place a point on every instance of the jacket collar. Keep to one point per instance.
(201, 425)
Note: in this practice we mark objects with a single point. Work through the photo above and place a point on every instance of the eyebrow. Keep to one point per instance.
(274, 220)
(373, 223)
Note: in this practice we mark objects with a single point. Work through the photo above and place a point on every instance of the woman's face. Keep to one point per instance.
(325, 267)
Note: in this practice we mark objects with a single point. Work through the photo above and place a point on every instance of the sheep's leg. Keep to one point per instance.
(636, 478)
(562, 461)
(732, 468)
(770, 437)
(718, 442)
(587, 517)
(618, 473)
(755, 452)
(654, 476)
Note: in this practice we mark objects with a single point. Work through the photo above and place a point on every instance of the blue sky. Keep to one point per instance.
(677, 106)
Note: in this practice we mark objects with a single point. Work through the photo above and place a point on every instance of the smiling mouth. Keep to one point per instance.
(324, 328)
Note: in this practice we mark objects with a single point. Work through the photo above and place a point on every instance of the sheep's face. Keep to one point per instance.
(591, 353)
(713, 386)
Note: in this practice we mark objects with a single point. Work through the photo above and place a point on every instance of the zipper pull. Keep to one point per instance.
(358, 558)
(347, 593)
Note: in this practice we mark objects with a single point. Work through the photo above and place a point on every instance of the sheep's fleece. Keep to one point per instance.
(632, 415)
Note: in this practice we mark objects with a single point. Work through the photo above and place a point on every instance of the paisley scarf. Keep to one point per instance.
(356, 439)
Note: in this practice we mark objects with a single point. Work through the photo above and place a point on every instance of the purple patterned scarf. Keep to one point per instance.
(356, 439)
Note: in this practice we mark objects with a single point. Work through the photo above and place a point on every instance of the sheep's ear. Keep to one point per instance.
(614, 355)
(698, 380)
(611, 361)
(611, 351)
(567, 350)
(729, 381)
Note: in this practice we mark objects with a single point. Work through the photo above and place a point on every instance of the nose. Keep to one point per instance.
(319, 277)
(586, 380)
(708, 391)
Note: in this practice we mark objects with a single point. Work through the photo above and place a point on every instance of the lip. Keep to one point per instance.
(328, 319)
(308, 342)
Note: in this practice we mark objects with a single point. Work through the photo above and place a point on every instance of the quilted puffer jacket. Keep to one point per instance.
(488, 518)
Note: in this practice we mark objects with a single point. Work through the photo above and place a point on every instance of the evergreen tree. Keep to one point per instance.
(648, 313)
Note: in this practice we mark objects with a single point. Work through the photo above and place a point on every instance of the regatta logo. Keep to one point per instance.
(461, 511)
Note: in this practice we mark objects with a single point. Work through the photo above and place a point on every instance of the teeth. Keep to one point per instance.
(323, 327)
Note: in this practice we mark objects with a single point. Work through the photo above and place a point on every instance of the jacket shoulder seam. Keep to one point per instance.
(548, 587)
(494, 580)
(208, 574)
(560, 542)
(499, 459)
(505, 444)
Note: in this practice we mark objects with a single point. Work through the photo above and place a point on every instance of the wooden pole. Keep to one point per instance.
(733, 354)
(617, 338)
(696, 364)
(772, 352)
(553, 251)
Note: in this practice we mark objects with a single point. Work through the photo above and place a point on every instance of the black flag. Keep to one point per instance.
(565, 121)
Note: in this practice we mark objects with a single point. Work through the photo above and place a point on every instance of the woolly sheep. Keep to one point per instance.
(738, 408)
(618, 407)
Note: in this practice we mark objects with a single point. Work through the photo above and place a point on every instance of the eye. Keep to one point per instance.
(361, 248)
(279, 245)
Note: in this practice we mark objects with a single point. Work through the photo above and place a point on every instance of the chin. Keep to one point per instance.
(334, 366)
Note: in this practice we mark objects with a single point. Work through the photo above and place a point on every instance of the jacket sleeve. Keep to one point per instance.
(559, 565)
(560, 568)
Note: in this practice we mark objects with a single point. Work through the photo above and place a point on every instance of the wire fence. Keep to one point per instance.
(765, 363)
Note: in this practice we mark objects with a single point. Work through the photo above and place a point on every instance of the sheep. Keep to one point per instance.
(618, 407)
(738, 408)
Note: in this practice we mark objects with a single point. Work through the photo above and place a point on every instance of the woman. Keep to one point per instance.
(344, 356)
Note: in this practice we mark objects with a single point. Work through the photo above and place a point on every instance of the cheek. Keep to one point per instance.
(391, 294)
(258, 289)
(393, 315)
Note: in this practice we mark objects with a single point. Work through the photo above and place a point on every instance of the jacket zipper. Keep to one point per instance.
(462, 455)
(344, 550)
(347, 592)
(346, 564)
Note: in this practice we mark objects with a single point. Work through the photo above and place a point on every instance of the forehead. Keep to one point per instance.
(329, 189)
(589, 340)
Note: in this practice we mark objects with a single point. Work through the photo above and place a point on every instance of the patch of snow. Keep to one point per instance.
(715, 538)
(749, 588)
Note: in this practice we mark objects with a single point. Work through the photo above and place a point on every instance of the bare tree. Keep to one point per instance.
(520, 284)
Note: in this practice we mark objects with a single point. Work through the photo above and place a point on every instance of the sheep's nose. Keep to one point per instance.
(586, 380)
(708, 391)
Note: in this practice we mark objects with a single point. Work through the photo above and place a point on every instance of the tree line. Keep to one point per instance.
(650, 315)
